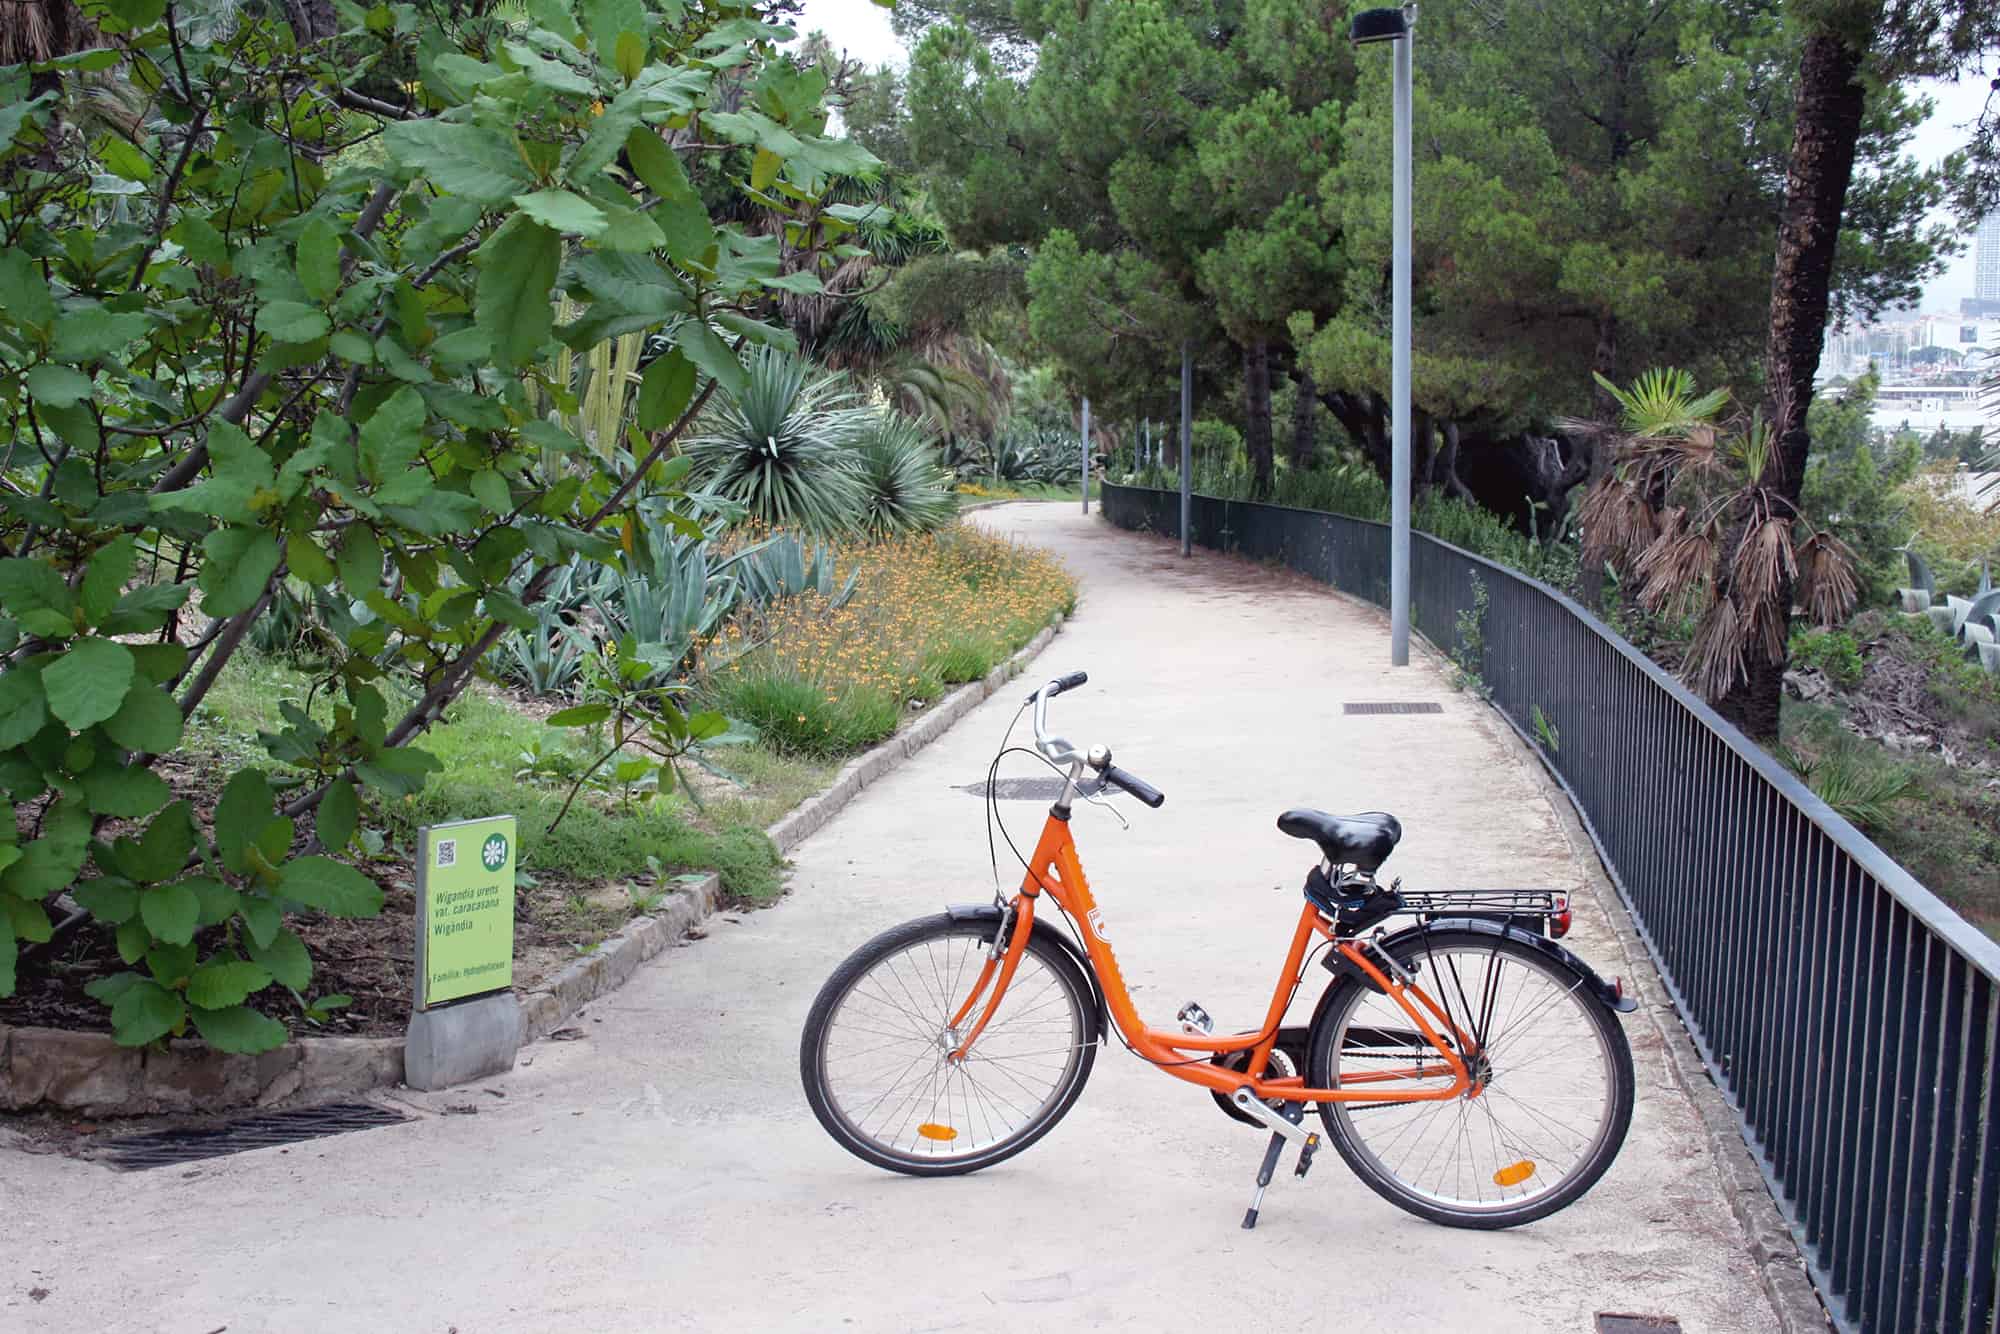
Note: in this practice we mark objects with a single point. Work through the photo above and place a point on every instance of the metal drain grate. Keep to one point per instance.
(1611, 1323)
(1034, 789)
(165, 1148)
(1395, 706)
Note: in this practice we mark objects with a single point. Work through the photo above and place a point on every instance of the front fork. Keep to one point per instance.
(1001, 960)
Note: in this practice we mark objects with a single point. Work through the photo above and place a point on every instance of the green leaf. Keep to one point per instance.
(629, 230)
(124, 792)
(133, 938)
(464, 160)
(108, 899)
(109, 989)
(562, 211)
(466, 347)
(168, 840)
(93, 334)
(33, 585)
(491, 490)
(338, 815)
(351, 346)
(170, 964)
(517, 269)
(658, 165)
(239, 564)
(665, 390)
(286, 958)
(333, 887)
(262, 919)
(58, 386)
(30, 923)
(240, 1029)
(51, 862)
(764, 169)
(319, 258)
(629, 55)
(360, 561)
(8, 951)
(216, 986)
(219, 902)
(712, 355)
(145, 1012)
(87, 684)
(307, 561)
(606, 20)
(580, 715)
(170, 913)
(104, 579)
(23, 707)
(24, 294)
(292, 322)
(148, 721)
(393, 436)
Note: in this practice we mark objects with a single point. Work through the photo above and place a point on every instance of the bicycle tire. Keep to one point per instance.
(1049, 1002)
(1547, 1049)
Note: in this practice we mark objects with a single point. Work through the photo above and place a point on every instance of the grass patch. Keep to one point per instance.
(800, 717)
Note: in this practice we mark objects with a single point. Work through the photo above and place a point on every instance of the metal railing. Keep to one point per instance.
(1846, 1013)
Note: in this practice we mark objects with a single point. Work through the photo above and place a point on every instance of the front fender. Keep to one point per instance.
(1613, 996)
(991, 913)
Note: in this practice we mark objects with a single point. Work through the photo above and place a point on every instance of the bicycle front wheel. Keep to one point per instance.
(875, 1055)
(1552, 1096)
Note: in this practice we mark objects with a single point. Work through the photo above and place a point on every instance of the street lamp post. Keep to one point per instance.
(1398, 26)
(1086, 456)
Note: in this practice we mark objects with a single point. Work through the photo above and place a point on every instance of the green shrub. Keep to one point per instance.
(1833, 652)
(783, 449)
(1858, 781)
(904, 488)
(794, 716)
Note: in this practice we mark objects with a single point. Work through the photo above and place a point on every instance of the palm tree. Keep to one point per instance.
(1690, 512)
(783, 449)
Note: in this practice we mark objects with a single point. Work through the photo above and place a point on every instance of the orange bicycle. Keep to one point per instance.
(1467, 1067)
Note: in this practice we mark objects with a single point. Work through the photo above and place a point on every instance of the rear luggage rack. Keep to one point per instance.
(1496, 902)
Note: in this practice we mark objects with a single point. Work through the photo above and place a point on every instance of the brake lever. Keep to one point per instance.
(1095, 800)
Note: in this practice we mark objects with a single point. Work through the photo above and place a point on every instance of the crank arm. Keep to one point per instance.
(1253, 1106)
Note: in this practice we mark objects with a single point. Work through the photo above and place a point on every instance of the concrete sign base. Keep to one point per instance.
(454, 1044)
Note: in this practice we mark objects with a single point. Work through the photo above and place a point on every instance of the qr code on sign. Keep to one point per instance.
(447, 852)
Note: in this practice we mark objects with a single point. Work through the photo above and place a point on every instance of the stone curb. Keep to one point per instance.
(809, 815)
(557, 999)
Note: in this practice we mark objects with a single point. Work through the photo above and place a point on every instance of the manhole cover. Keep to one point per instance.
(164, 1148)
(1392, 706)
(1610, 1323)
(1034, 789)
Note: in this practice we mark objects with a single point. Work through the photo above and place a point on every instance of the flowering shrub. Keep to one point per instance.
(928, 611)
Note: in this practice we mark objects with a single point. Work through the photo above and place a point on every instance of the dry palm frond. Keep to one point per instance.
(1716, 653)
(1828, 588)
(1617, 522)
(1699, 453)
(1763, 564)
(1677, 572)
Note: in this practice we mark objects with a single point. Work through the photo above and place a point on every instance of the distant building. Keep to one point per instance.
(1986, 274)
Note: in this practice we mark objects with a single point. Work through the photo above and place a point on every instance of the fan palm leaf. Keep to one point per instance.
(783, 449)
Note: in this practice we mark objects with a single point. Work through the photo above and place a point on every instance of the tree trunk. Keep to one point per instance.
(1305, 440)
(1257, 414)
(1831, 100)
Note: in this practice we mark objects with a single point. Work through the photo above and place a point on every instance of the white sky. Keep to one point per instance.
(861, 28)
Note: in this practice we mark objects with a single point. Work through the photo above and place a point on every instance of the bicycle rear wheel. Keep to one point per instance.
(875, 1053)
(1551, 1065)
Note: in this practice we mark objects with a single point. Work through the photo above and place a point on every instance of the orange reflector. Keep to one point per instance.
(1514, 1175)
(931, 1130)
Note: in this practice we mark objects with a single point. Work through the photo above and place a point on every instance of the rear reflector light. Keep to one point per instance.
(1560, 919)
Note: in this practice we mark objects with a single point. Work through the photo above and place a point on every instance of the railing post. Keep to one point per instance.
(1085, 473)
(1187, 445)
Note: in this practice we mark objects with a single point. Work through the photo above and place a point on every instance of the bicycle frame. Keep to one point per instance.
(1056, 870)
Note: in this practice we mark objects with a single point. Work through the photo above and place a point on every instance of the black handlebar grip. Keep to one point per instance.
(1138, 787)
(1067, 681)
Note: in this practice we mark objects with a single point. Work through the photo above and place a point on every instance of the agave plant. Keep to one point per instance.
(783, 450)
(904, 487)
(1689, 512)
(544, 661)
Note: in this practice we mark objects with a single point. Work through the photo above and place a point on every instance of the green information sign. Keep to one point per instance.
(465, 909)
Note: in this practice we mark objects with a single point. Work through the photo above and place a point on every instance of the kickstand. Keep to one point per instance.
(1295, 1113)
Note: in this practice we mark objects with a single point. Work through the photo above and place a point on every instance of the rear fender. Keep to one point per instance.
(990, 914)
(1610, 995)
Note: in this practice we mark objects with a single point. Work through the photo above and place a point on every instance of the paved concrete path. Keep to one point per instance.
(665, 1173)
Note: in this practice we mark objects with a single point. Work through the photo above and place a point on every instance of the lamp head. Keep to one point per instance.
(1379, 25)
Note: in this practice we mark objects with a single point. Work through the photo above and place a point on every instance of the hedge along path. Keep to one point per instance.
(259, 377)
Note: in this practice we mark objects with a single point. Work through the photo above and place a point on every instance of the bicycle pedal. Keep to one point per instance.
(1194, 1019)
(1306, 1153)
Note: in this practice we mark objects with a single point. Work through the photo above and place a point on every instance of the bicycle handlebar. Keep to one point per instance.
(1057, 750)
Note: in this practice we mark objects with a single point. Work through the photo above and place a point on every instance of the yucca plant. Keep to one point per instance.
(783, 450)
(545, 661)
(1691, 512)
(904, 487)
